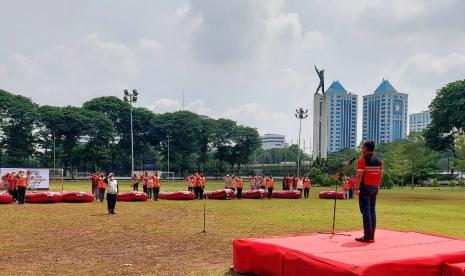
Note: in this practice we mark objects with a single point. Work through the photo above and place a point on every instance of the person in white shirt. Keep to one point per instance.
(112, 191)
(300, 185)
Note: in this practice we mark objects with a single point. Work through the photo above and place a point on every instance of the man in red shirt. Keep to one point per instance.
(369, 172)
(351, 187)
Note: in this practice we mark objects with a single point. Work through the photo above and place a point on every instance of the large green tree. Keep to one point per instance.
(448, 116)
(17, 121)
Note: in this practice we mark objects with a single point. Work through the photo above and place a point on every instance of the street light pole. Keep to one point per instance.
(54, 164)
(300, 114)
(168, 136)
(131, 98)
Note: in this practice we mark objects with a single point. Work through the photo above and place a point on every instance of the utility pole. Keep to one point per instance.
(131, 98)
(300, 114)
(168, 136)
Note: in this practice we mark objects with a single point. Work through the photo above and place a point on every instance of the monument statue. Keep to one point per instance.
(321, 75)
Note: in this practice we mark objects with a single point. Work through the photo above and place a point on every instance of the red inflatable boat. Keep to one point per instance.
(220, 194)
(177, 195)
(78, 197)
(44, 197)
(331, 195)
(255, 194)
(287, 194)
(5, 198)
(132, 196)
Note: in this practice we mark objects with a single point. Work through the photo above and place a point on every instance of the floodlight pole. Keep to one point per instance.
(168, 136)
(300, 114)
(132, 145)
(54, 164)
(131, 98)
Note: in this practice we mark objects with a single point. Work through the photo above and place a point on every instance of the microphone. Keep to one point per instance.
(351, 161)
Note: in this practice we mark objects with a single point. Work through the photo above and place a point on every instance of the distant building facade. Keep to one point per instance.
(385, 114)
(273, 141)
(334, 120)
(419, 121)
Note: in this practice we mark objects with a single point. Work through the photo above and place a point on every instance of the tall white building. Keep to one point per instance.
(334, 121)
(385, 114)
(273, 141)
(419, 121)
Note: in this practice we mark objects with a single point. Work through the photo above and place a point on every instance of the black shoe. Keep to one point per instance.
(362, 239)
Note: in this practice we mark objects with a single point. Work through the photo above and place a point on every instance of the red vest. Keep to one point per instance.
(372, 168)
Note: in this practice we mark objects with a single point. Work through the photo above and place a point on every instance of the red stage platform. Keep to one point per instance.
(393, 253)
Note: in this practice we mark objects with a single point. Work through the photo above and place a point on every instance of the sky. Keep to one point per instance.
(250, 61)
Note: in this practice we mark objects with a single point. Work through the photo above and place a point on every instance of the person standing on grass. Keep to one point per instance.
(21, 183)
(93, 183)
(197, 185)
(144, 178)
(156, 184)
(351, 187)
(269, 185)
(307, 184)
(369, 173)
(203, 184)
(101, 187)
(135, 183)
(345, 188)
(112, 191)
(300, 185)
(12, 188)
(261, 182)
(294, 182)
(239, 186)
(288, 183)
(5, 181)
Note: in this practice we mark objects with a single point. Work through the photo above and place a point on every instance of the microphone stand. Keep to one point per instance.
(333, 231)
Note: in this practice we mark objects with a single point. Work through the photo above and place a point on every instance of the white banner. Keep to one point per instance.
(38, 178)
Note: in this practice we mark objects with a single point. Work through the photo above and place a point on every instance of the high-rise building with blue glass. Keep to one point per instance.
(385, 114)
(335, 121)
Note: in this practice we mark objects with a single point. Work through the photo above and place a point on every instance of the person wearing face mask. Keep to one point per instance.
(112, 191)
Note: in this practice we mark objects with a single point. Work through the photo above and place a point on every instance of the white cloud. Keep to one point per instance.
(149, 44)
(82, 69)
(170, 105)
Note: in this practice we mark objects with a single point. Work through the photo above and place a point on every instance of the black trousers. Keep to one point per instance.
(270, 193)
(135, 187)
(14, 194)
(190, 189)
(367, 203)
(21, 195)
(144, 187)
(111, 201)
(156, 191)
(239, 193)
(306, 192)
(101, 194)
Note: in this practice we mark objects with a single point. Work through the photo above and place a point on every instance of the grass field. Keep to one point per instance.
(164, 237)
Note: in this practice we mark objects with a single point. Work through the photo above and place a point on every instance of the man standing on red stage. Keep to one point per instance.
(369, 172)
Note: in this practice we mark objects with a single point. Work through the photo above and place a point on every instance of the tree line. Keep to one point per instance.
(97, 136)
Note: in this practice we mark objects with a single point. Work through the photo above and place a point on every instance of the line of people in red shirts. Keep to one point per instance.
(151, 184)
(303, 184)
(17, 184)
(196, 183)
(348, 187)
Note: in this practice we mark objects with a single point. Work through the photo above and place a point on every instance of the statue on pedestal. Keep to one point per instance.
(321, 75)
